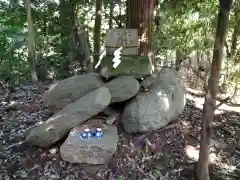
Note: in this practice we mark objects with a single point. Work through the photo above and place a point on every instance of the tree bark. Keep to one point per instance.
(139, 16)
(198, 69)
(82, 47)
(67, 22)
(110, 21)
(31, 43)
(179, 59)
(235, 34)
(210, 97)
(97, 30)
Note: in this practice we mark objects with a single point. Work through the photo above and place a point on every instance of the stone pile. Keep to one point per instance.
(78, 101)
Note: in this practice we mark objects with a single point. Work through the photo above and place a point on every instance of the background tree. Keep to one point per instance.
(210, 98)
(31, 43)
(67, 21)
(97, 30)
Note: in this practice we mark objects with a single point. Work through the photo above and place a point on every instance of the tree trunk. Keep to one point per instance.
(31, 43)
(82, 47)
(139, 16)
(210, 98)
(67, 22)
(235, 34)
(90, 65)
(196, 84)
(157, 20)
(97, 30)
(41, 67)
(110, 21)
(179, 59)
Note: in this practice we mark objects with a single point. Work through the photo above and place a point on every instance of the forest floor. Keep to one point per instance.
(171, 152)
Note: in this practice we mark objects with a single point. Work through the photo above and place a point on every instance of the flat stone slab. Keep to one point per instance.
(136, 66)
(92, 150)
(58, 125)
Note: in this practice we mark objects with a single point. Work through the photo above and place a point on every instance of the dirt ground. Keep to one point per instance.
(170, 153)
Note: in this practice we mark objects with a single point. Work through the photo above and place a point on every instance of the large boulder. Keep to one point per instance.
(92, 150)
(123, 88)
(158, 107)
(69, 90)
(70, 116)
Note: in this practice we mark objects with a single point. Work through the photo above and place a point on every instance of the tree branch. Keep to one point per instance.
(119, 24)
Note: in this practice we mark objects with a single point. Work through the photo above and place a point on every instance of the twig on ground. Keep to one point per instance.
(157, 131)
(227, 99)
(230, 174)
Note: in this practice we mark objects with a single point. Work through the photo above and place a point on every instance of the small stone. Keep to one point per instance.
(123, 88)
(92, 169)
(20, 95)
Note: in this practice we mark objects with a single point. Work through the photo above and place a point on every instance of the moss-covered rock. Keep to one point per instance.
(136, 66)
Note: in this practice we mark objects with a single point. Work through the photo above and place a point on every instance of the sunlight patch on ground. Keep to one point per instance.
(193, 153)
(53, 151)
(214, 158)
(227, 167)
(200, 101)
(186, 124)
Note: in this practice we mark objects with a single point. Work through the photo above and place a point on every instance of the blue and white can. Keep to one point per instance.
(99, 133)
(86, 134)
(89, 133)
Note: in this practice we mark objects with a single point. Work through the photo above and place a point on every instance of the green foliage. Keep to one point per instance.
(185, 25)
(190, 28)
(187, 28)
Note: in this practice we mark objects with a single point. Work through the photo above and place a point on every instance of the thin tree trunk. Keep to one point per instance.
(110, 21)
(198, 69)
(31, 43)
(67, 21)
(90, 65)
(235, 34)
(210, 98)
(157, 19)
(83, 47)
(97, 30)
(179, 59)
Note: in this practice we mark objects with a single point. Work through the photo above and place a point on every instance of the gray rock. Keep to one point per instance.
(21, 95)
(158, 107)
(123, 88)
(70, 116)
(92, 169)
(69, 90)
(113, 115)
(148, 82)
(92, 150)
